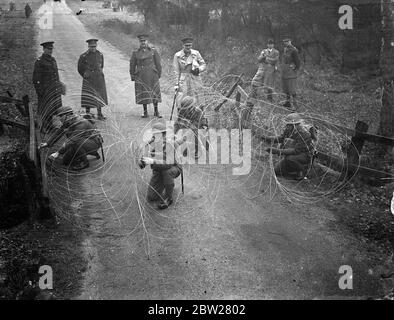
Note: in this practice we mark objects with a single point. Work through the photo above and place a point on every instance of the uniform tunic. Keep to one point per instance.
(47, 84)
(189, 84)
(94, 91)
(145, 70)
(289, 75)
(268, 64)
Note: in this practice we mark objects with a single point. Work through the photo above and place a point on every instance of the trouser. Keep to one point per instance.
(162, 181)
(293, 165)
(258, 83)
(75, 152)
(289, 87)
(155, 106)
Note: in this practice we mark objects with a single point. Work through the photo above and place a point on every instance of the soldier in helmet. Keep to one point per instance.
(145, 71)
(290, 65)
(82, 139)
(188, 65)
(164, 165)
(191, 117)
(48, 86)
(297, 148)
(94, 90)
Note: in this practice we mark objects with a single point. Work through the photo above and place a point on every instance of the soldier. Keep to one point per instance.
(290, 65)
(94, 91)
(145, 71)
(265, 76)
(297, 148)
(190, 117)
(47, 84)
(27, 10)
(164, 165)
(188, 65)
(83, 139)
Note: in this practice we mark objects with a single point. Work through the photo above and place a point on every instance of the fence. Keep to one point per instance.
(40, 205)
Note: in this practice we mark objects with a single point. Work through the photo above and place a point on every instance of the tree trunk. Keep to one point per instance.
(386, 127)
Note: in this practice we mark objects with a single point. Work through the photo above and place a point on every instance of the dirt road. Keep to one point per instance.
(216, 242)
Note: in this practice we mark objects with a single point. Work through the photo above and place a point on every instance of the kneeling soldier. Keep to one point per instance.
(83, 139)
(297, 148)
(164, 165)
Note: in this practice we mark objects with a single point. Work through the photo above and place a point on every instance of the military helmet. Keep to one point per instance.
(293, 118)
(187, 102)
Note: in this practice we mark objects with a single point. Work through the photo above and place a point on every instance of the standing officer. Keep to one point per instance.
(188, 64)
(145, 71)
(94, 91)
(164, 165)
(265, 76)
(291, 64)
(47, 84)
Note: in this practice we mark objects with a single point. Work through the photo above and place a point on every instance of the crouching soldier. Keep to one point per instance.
(190, 117)
(296, 146)
(165, 167)
(82, 139)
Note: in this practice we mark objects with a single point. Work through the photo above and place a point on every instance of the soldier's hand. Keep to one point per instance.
(196, 72)
(54, 155)
(147, 160)
(176, 88)
(42, 145)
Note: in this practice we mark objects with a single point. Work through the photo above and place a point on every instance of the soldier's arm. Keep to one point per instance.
(156, 57)
(102, 61)
(37, 77)
(55, 137)
(296, 59)
(81, 66)
(57, 72)
(177, 71)
(201, 62)
(261, 57)
(133, 64)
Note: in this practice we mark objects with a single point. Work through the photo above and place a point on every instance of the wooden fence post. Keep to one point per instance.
(354, 150)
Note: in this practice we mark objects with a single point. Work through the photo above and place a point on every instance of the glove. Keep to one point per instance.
(147, 160)
(53, 156)
(42, 145)
(141, 164)
(195, 72)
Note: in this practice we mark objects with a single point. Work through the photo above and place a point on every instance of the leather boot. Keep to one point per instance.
(100, 115)
(145, 114)
(156, 111)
